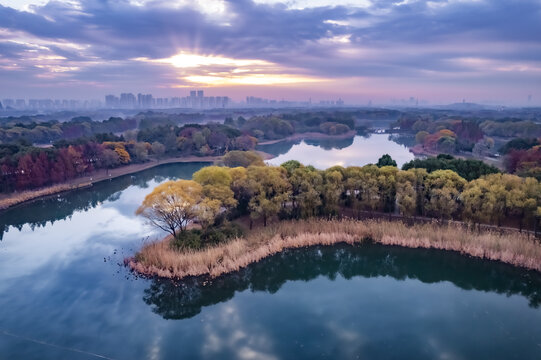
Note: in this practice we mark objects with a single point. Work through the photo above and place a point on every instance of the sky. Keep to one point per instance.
(440, 51)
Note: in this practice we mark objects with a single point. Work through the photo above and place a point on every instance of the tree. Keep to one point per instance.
(216, 185)
(420, 137)
(333, 187)
(172, 205)
(123, 155)
(370, 194)
(240, 187)
(443, 189)
(306, 184)
(406, 194)
(141, 151)
(387, 187)
(158, 149)
(109, 159)
(386, 160)
(270, 190)
(242, 158)
(478, 201)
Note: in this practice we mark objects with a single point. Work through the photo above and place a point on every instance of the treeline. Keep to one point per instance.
(273, 127)
(445, 135)
(24, 167)
(293, 190)
(468, 169)
(441, 133)
(195, 139)
(511, 128)
(50, 131)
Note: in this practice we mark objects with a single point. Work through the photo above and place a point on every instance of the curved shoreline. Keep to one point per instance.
(311, 136)
(159, 260)
(11, 200)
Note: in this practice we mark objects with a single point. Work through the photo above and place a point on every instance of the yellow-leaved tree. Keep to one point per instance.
(172, 205)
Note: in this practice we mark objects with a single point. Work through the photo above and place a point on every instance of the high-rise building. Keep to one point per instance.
(144, 100)
(200, 94)
(9, 103)
(127, 100)
(111, 101)
(20, 103)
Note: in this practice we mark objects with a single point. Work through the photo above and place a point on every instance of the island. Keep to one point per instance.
(226, 218)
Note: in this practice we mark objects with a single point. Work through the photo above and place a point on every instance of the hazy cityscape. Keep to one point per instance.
(195, 100)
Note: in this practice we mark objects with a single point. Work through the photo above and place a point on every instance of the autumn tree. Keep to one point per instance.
(478, 202)
(242, 158)
(172, 205)
(270, 191)
(406, 192)
(332, 189)
(443, 190)
(306, 185)
(370, 193)
(216, 185)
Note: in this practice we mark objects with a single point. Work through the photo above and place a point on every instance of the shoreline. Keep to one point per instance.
(11, 200)
(311, 136)
(157, 259)
(419, 151)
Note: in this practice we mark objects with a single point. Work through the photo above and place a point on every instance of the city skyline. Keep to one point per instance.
(194, 99)
(360, 51)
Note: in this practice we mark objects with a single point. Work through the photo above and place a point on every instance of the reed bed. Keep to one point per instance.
(21, 197)
(159, 259)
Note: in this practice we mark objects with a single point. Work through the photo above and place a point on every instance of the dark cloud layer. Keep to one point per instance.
(94, 42)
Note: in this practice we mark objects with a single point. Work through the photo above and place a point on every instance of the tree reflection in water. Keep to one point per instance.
(185, 299)
(54, 208)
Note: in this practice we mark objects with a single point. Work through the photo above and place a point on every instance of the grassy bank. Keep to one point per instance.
(160, 259)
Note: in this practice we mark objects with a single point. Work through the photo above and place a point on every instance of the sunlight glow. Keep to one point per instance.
(187, 60)
(253, 79)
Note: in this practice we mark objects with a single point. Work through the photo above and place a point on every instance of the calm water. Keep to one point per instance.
(322, 154)
(63, 295)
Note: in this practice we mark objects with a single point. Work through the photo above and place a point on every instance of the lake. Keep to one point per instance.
(65, 294)
(322, 154)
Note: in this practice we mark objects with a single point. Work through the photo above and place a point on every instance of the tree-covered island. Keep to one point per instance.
(227, 217)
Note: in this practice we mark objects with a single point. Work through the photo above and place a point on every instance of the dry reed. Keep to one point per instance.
(159, 259)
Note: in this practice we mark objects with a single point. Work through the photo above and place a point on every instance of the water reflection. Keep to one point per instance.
(40, 212)
(283, 147)
(186, 299)
(357, 151)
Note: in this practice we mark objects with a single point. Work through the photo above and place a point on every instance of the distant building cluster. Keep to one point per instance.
(252, 101)
(196, 100)
(48, 104)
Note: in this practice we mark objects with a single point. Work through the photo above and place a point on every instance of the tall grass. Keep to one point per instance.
(158, 258)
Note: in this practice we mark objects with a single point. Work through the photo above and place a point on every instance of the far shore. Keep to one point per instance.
(18, 198)
(419, 151)
(310, 135)
(158, 259)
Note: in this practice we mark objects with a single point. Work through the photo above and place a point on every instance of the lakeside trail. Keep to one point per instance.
(17, 198)
(159, 259)
(310, 135)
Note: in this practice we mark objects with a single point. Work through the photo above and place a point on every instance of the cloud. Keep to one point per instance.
(103, 42)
